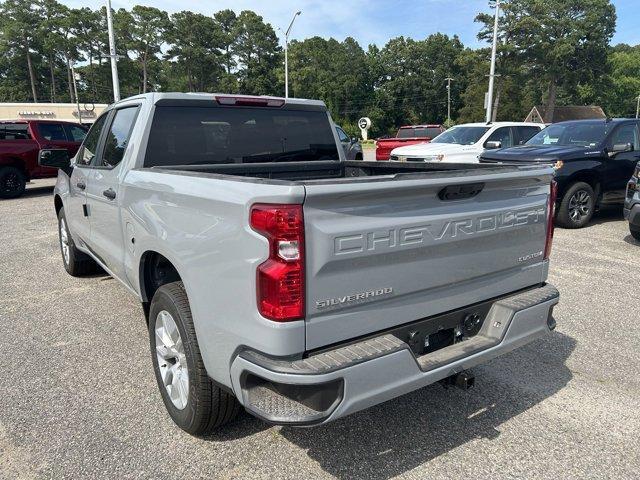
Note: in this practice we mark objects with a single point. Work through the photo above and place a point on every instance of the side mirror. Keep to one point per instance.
(54, 157)
(492, 145)
(354, 140)
(620, 148)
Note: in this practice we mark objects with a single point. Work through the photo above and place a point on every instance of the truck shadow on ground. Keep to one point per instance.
(399, 435)
(606, 214)
(33, 192)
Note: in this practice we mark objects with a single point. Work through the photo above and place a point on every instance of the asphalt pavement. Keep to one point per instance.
(78, 398)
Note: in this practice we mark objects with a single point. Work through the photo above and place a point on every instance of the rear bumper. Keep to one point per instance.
(336, 383)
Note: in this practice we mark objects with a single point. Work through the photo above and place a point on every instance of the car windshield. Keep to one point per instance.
(182, 135)
(575, 134)
(418, 132)
(461, 135)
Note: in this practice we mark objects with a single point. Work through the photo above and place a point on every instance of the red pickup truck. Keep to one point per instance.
(20, 142)
(406, 136)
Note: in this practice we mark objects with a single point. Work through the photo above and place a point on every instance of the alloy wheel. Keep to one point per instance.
(579, 205)
(64, 241)
(172, 361)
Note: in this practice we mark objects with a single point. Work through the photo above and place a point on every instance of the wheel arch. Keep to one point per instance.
(155, 270)
(585, 176)
(8, 161)
(57, 203)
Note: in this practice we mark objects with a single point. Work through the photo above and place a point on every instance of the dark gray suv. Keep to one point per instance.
(352, 147)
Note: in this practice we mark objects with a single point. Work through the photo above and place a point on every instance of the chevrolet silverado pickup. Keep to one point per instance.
(20, 142)
(277, 276)
(408, 135)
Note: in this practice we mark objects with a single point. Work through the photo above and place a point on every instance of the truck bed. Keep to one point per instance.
(332, 171)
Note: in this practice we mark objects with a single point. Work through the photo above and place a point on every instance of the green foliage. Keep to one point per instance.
(550, 51)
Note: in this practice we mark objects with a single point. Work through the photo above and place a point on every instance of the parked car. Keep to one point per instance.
(279, 276)
(463, 143)
(407, 135)
(20, 142)
(632, 204)
(351, 146)
(594, 160)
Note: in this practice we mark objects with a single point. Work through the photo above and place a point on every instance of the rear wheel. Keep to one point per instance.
(76, 263)
(193, 401)
(577, 206)
(635, 232)
(12, 182)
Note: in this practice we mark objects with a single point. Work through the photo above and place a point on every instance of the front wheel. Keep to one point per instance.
(635, 232)
(76, 263)
(12, 182)
(193, 401)
(577, 206)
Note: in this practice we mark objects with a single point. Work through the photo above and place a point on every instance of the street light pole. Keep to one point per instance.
(492, 70)
(286, 55)
(448, 79)
(75, 89)
(112, 55)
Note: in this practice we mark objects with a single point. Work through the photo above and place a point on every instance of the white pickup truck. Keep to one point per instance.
(464, 143)
(276, 275)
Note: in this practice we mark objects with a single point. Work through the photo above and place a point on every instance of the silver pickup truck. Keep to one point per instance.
(277, 276)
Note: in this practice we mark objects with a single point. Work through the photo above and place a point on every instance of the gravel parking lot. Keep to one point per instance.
(79, 399)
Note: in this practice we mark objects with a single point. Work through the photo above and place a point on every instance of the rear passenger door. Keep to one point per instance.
(524, 133)
(504, 135)
(107, 231)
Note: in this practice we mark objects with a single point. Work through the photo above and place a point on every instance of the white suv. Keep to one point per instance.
(464, 143)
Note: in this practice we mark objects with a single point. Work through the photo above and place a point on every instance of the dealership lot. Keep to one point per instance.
(79, 399)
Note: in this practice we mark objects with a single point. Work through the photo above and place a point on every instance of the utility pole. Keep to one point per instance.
(638, 107)
(492, 70)
(75, 89)
(286, 54)
(112, 55)
(448, 79)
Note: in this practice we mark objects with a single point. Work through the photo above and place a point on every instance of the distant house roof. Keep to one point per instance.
(562, 113)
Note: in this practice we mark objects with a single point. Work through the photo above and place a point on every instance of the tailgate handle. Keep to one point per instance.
(459, 192)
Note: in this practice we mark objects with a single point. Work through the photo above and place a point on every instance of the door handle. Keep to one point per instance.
(81, 185)
(110, 194)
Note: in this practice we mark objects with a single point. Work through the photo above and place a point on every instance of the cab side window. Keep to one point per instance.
(75, 133)
(52, 132)
(89, 148)
(341, 135)
(502, 135)
(117, 138)
(627, 133)
(525, 133)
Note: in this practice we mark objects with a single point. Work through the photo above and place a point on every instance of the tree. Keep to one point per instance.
(195, 45)
(258, 55)
(563, 44)
(147, 34)
(20, 21)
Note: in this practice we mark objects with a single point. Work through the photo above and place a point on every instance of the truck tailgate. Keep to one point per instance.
(384, 253)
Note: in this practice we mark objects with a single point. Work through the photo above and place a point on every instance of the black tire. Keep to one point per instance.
(635, 232)
(207, 405)
(12, 182)
(577, 206)
(358, 156)
(78, 263)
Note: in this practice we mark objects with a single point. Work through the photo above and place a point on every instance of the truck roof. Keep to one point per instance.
(158, 96)
(430, 125)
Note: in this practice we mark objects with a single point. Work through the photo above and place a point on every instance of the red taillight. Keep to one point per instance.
(280, 279)
(241, 101)
(551, 205)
